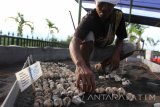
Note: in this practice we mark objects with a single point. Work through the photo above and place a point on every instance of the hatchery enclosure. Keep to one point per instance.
(56, 88)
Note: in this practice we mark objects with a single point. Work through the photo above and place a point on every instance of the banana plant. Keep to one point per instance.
(52, 28)
(19, 19)
(134, 33)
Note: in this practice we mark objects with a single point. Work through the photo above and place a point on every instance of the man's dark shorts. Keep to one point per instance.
(101, 53)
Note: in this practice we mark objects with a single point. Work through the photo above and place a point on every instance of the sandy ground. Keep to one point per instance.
(7, 78)
(137, 72)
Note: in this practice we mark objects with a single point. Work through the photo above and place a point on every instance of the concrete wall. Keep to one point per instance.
(153, 66)
(15, 54)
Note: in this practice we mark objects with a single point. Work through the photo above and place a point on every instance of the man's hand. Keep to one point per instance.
(113, 63)
(85, 79)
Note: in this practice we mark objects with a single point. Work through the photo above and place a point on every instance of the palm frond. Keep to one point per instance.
(51, 26)
(16, 19)
(49, 23)
(55, 28)
(19, 19)
(150, 40)
(157, 42)
(31, 26)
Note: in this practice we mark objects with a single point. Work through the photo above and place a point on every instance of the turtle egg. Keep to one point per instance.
(77, 100)
(67, 101)
(109, 90)
(130, 97)
(121, 91)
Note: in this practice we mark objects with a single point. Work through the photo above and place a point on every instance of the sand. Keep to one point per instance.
(138, 73)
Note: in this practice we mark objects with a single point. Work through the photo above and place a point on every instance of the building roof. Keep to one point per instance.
(145, 12)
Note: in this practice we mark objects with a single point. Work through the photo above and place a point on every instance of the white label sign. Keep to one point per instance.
(25, 76)
(24, 79)
(35, 70)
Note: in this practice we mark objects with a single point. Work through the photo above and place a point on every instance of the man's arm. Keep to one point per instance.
(83, 72)
(118, 46)
(74, 49)
(121, 35)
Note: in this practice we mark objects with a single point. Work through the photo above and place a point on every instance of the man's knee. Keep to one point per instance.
(128, 48)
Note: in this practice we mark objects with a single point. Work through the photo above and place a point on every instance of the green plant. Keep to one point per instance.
(134, 33)
(69, 38)
(51, 27)
(19, 19)
(53, 39)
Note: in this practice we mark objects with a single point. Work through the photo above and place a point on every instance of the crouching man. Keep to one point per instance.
(93, 38)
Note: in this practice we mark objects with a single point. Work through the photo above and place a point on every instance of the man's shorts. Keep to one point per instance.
(101, 53)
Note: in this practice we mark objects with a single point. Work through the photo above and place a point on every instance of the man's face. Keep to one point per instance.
(104, 9)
